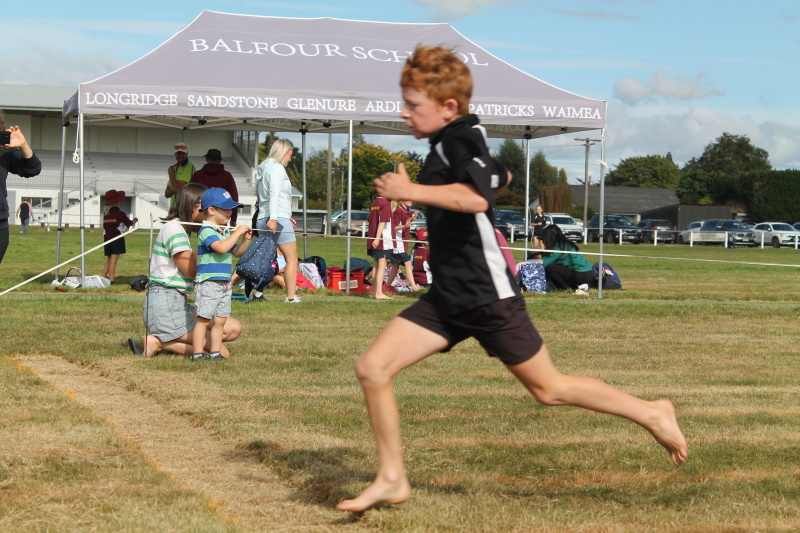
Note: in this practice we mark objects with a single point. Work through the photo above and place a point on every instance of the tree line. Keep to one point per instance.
(730, 171)
(372, 160)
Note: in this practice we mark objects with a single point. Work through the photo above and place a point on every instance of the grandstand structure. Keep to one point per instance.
(130, 159)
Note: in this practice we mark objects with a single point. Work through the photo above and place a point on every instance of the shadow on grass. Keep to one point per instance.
(321, 476)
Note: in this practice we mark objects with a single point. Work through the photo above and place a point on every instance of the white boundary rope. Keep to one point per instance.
(87, 252)
(527, 250)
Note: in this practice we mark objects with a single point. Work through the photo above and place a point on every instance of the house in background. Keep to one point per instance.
(627, 201)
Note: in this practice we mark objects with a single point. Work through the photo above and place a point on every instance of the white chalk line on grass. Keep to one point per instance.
(604, 254)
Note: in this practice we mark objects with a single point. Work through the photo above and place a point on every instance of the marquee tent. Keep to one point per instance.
(244, 72)
(266, 73)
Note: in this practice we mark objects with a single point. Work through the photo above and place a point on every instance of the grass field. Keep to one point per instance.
(717, 338)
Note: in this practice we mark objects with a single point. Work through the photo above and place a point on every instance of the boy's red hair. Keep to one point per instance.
(441, 75)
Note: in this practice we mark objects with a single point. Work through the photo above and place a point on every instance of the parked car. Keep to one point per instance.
(335, 216)
(420, 222)
(796, 226)
(571, 228)
(356, 226)
(685, 237)
(613, 226)
(658, 229)
(776, 234)
(718, 231)
(507, 220)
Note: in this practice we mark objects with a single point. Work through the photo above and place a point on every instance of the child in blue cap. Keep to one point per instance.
(212, 290)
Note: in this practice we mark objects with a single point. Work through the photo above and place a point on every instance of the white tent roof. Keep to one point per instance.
(243, 72)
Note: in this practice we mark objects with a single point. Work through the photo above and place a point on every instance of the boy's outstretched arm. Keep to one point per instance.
(460, 197)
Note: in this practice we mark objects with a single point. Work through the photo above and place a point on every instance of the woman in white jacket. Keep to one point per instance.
(275, 209)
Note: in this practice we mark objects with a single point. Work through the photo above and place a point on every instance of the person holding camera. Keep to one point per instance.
(16, 157)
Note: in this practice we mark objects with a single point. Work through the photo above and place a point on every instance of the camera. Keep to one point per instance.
(5, 137)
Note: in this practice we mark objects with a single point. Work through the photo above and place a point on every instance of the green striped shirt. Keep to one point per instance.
(171, 240)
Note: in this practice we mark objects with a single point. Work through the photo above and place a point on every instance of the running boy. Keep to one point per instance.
(477, 296)
(212, 290)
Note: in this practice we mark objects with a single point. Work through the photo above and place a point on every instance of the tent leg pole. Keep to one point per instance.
(60, 198)
(349, 204)
(83, 202)
(600, 271)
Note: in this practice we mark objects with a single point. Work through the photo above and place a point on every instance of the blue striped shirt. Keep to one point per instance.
(211, 264)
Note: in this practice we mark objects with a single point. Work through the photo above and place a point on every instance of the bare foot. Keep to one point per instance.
(380, 492)
(151, 346)
(382, 297)
(667, 433)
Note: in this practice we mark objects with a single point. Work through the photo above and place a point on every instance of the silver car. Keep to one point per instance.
(776, 234)
(571, 228)
(356, 226)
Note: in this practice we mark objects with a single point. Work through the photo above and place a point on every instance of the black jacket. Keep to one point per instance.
(11, 160)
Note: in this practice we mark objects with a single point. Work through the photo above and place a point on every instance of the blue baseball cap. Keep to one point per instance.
(218, 197)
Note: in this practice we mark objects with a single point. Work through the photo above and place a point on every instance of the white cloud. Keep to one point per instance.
(45, 65)
(633, 91)
(449, 9)
(686, 135)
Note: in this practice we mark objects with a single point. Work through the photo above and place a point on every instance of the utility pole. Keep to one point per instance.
(588, 142)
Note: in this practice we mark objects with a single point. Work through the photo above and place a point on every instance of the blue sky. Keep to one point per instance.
(676, 74)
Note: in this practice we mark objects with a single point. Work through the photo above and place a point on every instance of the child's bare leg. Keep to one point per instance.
(377, 366)
(111, 266)
(550, 387)
(392, 273)
(199, 334)
(215, 339)
(378, 274)
(410, 276)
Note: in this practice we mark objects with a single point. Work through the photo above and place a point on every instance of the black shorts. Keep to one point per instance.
(503, 328)
(115, 248)
(379, 254)
(399, 259)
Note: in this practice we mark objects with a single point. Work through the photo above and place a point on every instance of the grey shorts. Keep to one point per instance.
(212, 298)
(166, 313)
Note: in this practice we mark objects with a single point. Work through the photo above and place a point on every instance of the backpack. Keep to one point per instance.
(310, 272)
(532, 277)
(256, 265)
(320, 263)
(139, 283)
(611, 281)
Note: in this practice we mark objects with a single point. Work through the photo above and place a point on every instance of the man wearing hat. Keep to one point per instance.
(180, 173)
(213, 174)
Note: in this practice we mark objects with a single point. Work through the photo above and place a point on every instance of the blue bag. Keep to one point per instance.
(257, 265)
(611, 281)
(532, 277)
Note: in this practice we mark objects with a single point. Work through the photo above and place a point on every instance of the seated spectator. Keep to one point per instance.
(420, 256)
(566, 271)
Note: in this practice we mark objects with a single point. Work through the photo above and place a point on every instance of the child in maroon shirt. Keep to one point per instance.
(112, 220)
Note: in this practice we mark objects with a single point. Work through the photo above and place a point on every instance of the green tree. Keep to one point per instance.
(772, 195)
(651, 171)
(716, 176)
(512, 156)
(370, 161)
(542, 174)
(562, 177)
